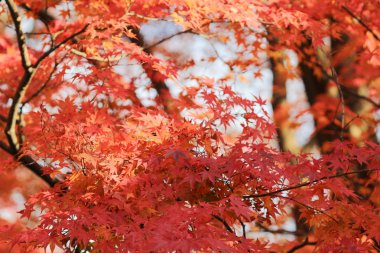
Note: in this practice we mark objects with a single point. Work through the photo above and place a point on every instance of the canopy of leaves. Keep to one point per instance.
(196, 166)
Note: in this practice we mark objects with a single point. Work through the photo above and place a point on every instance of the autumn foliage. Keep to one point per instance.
(113, 141)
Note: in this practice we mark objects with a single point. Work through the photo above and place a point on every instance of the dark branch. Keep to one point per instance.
(3, 118)
(353, 94)
(34, 95)
(4, 147)
(29, 71)
(361, 22)
(52, 49)
(19, 34)
(32, 165)
(300, 246)
(243, 228)
(229, 229)
(309, 207)
(168, 38)
(272, 193)
(341, 85)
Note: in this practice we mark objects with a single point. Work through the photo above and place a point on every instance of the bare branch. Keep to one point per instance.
(29, 71)
(10, 129)
(4, 147)
(168, 38)
(243, 228)
(20, 35)
(34, 95)
(303, 244)
(3, 118)
(224, 223)
(309, 207)
(343, 86)
(52, 49)
(361, 22)
(274, 193)
(353, 94)
(32, 165)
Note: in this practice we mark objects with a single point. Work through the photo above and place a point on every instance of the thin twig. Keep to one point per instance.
(361, 22)
(349, 92)
(343, 86)
(303, 244)
(224, 223)
(272, 193)
(243, 228)
(52, 49)
(34, 95)
(168, 38)
(309, 207)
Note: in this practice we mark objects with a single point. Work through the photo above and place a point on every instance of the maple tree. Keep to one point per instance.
(194, 165)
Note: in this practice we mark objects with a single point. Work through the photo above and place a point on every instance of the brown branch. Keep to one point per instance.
(243, 228)
(3, 118)
(20, 35)
(10, 129)
(361, 22)
(343, 86)
(158, 84)
(29, 72)
(224, 223)
(267, 194)
(31, 164)
(300, 246)
(4, 147)
(353, 94)
(34, 95)
(309, 207)
(167, 38)
(52, 49)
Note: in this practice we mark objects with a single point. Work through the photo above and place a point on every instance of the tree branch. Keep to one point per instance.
(10, 130)
(353, 94)
(167, 38)
(45, 83)
(29, 72)
(229, 229)
(309, 207)
(361, 22)
(20, 35)
(300, 246)
(243, 228)
(3, 118)
(52, 49)
(272, 193)
(4, 147)
(31, 164)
